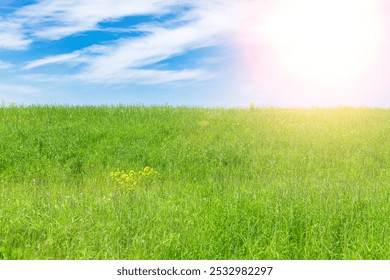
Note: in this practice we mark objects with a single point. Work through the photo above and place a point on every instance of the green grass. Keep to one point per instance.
(229, 183)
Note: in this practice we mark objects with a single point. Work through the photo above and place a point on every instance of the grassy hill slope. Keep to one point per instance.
(229, 183)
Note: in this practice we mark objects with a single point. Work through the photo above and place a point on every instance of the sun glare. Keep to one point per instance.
(321, 43)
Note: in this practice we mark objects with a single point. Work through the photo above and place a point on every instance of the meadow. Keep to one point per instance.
(258, 183)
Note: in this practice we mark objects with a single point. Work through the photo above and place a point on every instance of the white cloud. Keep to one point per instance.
(125, 60)
(5, 65)
(56, 59)
(17, 89)
(145, 76)
(140, 52)
(206, 23)
(12, 37)
(53, 20)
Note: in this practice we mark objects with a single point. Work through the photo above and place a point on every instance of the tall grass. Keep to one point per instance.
(229, 183)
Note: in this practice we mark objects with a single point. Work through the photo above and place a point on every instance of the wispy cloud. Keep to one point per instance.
(146, 76)
(53, 20)
(12, 37)
(137, 53)
(17, 89)
(5, 65)
(56, 59)
(197, 25)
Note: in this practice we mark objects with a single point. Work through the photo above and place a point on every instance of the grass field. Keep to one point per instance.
(228, 183)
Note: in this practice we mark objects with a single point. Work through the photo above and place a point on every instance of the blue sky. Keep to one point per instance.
(154, 52)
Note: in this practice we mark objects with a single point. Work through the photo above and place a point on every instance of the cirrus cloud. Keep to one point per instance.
(129, 58)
